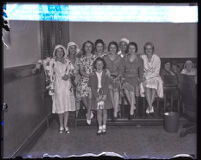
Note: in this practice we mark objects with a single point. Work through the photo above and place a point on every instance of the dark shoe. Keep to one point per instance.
(104, 131)
(67, 130)
(99, 132)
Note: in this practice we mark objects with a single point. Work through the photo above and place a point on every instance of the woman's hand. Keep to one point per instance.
(65, 77)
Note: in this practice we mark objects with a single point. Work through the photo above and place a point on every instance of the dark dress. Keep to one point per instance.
(132, 71)
(93, 84)
(115, 69)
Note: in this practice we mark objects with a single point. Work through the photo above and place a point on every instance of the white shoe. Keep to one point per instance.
(132, 111)
(147, 111)
(99, 132)
(152, 110)
(89, 121)
(104, 129)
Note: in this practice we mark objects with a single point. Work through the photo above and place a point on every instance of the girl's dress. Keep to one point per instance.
(87, 65)
(93, 84)
(61, 90)
(151, 74)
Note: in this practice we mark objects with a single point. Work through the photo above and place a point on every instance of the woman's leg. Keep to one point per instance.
(148, 97)
(77, 104)
(66, 120)
(128, 95)
(100, 120)
(153, 94)
(116, 102)
(111, 95)
(99, 117)
(61, 121)
(133, 107)
(85, 102)
(104, 120)
(104, 117)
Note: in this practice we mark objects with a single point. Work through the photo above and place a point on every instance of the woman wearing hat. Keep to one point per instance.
(123, 44)
(59, 70)
(190, 70)
(73, 51)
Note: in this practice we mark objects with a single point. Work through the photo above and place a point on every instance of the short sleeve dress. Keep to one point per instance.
(87, 64)
(62, 96)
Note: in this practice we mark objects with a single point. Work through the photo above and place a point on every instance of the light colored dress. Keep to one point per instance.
(62, 92)
(152, 76)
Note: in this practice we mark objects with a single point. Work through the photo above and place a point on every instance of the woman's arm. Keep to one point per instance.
(141, 70)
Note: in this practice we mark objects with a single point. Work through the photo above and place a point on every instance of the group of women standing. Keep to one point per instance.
(96, 76)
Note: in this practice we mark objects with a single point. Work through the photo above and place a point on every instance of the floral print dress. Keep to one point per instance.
(86, 64)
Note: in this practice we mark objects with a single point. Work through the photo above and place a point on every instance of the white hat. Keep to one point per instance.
(57, 47)
(188, 62)
(125, 40)
(73, 44)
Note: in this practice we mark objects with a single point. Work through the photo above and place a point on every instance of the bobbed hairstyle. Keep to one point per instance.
(83, 47)
(149, 43)
(132, 44)
(99, 59)
(113, 43)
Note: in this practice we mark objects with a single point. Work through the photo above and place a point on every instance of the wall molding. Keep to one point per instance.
(14, 73)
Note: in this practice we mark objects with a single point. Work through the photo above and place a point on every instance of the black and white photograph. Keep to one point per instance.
(99, 79)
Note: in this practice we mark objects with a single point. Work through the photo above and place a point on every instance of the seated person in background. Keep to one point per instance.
(176, 68)
(167, 75)
(167, 70)
(189, 70)
(170, 79)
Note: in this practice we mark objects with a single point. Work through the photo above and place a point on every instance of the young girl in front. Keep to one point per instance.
(99, 82)
(60, 88)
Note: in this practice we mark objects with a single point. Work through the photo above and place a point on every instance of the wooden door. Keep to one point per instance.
(53, 33)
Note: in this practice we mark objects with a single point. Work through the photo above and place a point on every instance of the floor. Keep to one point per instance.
(127, 141)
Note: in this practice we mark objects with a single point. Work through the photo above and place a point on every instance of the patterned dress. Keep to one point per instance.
(85, 64)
